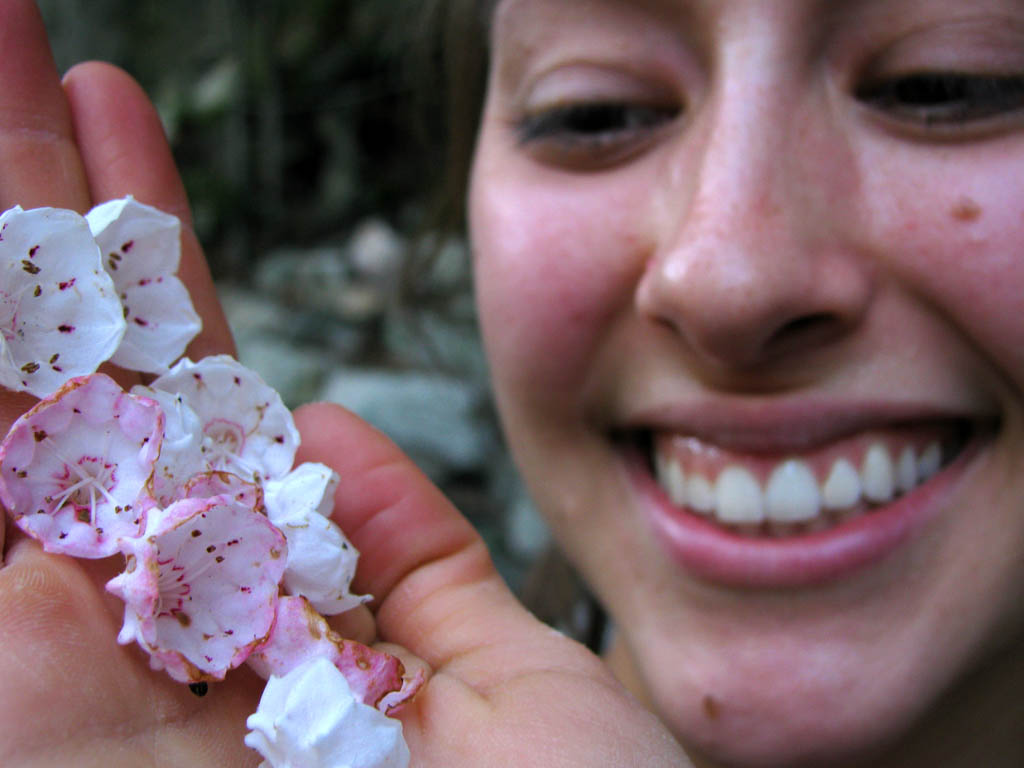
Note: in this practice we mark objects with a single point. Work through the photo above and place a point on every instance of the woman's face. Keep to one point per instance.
(751, 283)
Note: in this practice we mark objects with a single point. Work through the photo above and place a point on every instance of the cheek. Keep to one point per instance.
(552, 271)
(959, 246)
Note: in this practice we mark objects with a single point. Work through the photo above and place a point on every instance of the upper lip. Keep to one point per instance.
(789, 425)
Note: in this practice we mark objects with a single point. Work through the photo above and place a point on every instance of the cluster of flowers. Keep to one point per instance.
(230, 554)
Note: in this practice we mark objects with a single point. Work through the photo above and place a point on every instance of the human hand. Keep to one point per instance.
(504, 689)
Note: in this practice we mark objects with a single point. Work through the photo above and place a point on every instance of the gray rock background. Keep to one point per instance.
(327, 324)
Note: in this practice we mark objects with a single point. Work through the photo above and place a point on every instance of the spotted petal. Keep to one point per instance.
(141, 249)
(310, 719)
(301, 634)
(246, 428)
(200, 586)
(75, 469)
(181, 455)
(321, 561)
(60, 316)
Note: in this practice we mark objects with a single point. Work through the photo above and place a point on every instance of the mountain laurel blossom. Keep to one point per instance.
(245, 427)
(321, 561)
(59, 312)
(309, 718)
(230, 553)
(141, 248)
(75, 469)
(377, 679)
(200, 586)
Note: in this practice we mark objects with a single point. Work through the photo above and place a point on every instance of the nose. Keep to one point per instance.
(755, 258)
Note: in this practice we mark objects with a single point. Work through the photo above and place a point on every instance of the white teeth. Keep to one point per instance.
(877, 474)
(842, 488)
(906, 470)
(738, 497)
(792, 500)
(930, 461)
(700, 495)
(792, 494)
(675, 483)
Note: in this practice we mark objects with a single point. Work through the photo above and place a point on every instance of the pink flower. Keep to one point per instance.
(75, 469)
(141, 249)
(59, 312)
(200, 586)
(301, 634)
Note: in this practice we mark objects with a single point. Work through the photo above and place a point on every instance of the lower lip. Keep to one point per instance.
(711, 553)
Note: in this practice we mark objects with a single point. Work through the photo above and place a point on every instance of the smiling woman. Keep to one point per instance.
(768, 393)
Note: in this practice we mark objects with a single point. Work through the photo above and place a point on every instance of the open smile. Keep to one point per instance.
(744, 513)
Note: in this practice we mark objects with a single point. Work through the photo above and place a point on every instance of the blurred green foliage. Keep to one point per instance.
(291, 121)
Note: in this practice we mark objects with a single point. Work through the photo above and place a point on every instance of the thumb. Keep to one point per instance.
(436, 590)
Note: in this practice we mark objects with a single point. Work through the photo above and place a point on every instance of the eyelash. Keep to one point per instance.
(945, 99)
(593, 132)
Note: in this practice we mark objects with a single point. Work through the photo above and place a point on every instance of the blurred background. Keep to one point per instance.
(307, 142)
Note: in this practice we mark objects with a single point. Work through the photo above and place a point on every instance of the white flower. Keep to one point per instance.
(246, 428)
(310, 719)
(59, 312)
(321, 561)
(141, 249)
(75, 469)
(200, 586)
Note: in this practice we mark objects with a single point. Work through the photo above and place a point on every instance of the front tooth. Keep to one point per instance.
(906, 470)
(877, 474)
(674, 482)
(700, 496)
(842, 488)
(930, 461)
(792, 494)
(738, 497)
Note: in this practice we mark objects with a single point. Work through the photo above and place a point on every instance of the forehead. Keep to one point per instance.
(512, 16)
(525, 28)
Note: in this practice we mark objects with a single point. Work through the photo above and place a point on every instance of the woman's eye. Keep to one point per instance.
(945, 99)
(595, 132)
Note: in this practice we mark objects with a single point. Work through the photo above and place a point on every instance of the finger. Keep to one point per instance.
(39, 164)
(124, 151)
(437, 591)
(356, 624)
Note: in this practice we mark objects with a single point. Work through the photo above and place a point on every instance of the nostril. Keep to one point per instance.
(805, 331)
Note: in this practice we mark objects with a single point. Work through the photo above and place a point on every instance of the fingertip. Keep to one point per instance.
(122, 140)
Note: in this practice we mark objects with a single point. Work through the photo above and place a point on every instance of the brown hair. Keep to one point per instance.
(450, 66)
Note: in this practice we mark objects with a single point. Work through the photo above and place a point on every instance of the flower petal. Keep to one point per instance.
(75, 469)
(180, 453)
(247, 430)
(200, 586)
(141, 249)
(301, 634)
(60, 316)
(321, 561)
(310, 719)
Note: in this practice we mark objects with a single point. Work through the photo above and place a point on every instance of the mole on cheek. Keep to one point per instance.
(965, 209)
(711, 707)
